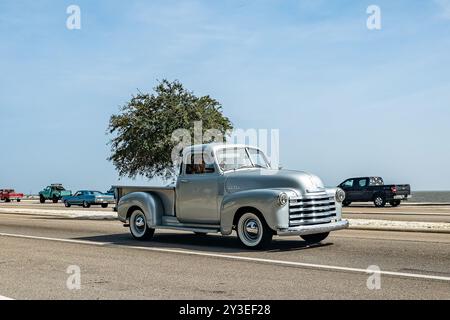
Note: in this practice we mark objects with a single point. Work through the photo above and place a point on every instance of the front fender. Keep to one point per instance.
(263, 200)
(149, 203)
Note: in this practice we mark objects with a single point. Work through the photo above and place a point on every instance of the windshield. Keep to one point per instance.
(239, 158)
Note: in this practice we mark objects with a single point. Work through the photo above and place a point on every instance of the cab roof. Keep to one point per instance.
(214, 147)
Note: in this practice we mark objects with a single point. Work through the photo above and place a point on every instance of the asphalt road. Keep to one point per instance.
(36, 252)
(406, 212)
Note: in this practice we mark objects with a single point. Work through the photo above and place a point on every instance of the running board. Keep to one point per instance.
(169, 222)
(192, 229)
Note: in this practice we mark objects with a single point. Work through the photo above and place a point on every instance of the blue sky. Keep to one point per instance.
(347, 101)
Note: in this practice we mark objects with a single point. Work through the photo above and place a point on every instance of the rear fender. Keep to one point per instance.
(149, 203)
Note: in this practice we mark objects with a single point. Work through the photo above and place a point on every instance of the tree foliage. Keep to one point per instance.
(142, 141)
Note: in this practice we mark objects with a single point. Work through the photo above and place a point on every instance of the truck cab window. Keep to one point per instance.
(362, 183)
(348, 184)
(200, 164)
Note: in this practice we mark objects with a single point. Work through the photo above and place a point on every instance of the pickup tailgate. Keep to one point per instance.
(403, 191)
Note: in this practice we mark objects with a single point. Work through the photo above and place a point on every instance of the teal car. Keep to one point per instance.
(87, 198)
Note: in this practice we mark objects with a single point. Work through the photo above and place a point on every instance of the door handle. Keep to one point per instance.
(184, 181)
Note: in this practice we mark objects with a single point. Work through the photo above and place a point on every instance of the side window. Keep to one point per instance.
(200, 163)
(348, 183)
(362, 183)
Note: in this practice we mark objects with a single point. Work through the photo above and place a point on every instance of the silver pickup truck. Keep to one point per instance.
(223, 187)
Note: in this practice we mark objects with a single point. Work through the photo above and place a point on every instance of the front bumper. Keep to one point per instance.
(313, 229)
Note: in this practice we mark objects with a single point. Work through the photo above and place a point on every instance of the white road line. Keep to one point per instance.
(237, 258)
(5, 298)
(400, 213)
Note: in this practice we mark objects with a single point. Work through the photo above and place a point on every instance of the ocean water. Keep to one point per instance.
(430, 196)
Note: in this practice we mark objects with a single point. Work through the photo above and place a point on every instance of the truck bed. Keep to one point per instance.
(166, 194)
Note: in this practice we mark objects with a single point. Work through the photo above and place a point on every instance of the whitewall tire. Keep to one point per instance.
(253, 231)
(138, 226)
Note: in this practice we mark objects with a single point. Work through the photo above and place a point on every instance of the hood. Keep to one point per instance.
(300, 181)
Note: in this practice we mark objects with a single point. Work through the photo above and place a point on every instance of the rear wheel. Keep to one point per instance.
(7, 200)
(315, 238)
(395, 203)
(86, 204)
(138, 226)
(55, 199)
(41, 199)
(18, 200)
(253, 231)
(379, 201)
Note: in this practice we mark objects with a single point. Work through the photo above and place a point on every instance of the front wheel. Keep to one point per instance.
(67, 204)
(18, 200)
(253, 231)
(104, 205)
(395, 203)
(55, 200)
(138, 226)
(315, 238)
(41, 199)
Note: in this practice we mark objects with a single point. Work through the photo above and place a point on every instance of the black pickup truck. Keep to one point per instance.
(368, 189)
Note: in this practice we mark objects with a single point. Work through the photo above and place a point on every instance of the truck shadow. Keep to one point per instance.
(209, 243)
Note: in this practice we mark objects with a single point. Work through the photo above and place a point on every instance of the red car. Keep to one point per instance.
(9, 195)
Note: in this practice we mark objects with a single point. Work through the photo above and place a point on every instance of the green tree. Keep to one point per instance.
(142, 142)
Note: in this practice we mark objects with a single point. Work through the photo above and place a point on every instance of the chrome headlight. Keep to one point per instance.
(340, 195)
(283, 199)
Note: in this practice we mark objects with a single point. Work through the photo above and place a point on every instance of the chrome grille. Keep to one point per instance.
(317, 209)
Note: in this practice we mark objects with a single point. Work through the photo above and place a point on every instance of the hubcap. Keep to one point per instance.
(379, 201)
(251, 229)
(139, 223)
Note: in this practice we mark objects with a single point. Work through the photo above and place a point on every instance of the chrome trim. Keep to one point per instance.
(309, 197)
(312, 216)
(312, 229)
(313, 202)
(312, 209)
(303, 222)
